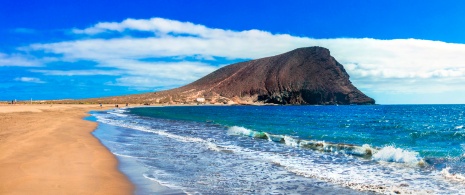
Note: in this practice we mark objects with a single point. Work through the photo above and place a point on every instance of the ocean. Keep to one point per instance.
(387, 149)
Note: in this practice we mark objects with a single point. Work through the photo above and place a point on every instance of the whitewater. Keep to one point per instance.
(385, 149)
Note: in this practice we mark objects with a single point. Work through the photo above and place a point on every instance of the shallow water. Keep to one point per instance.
(292, 149)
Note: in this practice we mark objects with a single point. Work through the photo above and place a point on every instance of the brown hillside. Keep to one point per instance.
(303, 76)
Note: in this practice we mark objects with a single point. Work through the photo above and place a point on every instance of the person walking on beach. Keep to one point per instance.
(100, 105)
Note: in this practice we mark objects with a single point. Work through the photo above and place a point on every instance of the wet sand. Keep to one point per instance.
(48, 149)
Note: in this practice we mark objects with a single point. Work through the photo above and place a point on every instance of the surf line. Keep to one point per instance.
(387, 153)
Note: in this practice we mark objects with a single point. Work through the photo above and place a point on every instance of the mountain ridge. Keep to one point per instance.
(303, 76)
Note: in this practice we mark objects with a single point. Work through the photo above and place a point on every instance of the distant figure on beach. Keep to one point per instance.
(12, 101)
(100, 105)
(127, 104)
(116, 105)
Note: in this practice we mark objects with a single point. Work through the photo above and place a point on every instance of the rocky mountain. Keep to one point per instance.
(302, 76)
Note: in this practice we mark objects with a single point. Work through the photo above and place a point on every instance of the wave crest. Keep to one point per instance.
(235, 130)
(393, 154)
(452, 176)
(386, 154)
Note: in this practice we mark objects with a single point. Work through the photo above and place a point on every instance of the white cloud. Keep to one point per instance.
(162, 75)
(79, 72)
(160, 25)
(184, 70)
(145, 83)
(17, 60)
(388, 66)
(29, 80)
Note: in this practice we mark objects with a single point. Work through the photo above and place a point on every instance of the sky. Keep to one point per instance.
(397, 52)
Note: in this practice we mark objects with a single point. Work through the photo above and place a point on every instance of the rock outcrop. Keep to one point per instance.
(303, 76)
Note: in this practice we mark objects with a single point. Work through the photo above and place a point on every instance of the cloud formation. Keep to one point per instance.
(79, 72)
(181, 52)
(29, 80)
(17, 60)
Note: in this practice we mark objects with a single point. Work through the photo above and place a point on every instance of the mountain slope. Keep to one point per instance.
(302, 76)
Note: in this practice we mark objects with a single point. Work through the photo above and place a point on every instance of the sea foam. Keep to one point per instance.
(119, 112)
(235, 130)
(363, 151)
(386, 154)
(452, 176)
(393, 154)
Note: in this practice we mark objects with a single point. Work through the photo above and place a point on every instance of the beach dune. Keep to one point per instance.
(48, 149)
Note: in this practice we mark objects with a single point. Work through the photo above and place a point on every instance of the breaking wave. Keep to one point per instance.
(392, 154)
(387, 153)
(452, 176)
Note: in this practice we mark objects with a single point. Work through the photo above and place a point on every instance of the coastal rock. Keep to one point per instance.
(303, 76)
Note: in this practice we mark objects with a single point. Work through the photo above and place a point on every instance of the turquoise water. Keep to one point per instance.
(385, 149)
(431, 130)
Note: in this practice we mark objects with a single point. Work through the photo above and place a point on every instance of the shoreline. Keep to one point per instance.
(128, 166)
(50, 149)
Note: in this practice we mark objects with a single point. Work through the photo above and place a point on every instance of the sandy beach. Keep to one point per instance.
(48, 149)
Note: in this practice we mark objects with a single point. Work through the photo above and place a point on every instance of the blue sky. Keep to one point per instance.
(398, 52)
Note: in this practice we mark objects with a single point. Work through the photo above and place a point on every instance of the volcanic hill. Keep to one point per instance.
(302, 76)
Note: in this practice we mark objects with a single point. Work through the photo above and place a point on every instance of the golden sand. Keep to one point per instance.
(47, 149)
